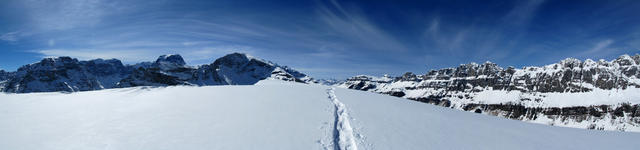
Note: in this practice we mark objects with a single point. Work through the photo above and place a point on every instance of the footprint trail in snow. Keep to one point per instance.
(343, 134)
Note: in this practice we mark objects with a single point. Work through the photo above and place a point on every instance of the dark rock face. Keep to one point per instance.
(232, 69)
(240, 69)
(167, 70)
(5, 75)
(70, 75)
(397, 93)
(107, 72)
(623, 113)
(150, 77)
(458, 88)
(171, 59)
(365, 83)
(58, 74)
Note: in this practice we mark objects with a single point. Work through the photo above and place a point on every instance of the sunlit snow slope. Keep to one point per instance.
(269, 115)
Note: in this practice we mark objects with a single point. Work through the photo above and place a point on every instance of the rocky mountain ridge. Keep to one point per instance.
(68, 74)
(573, 93)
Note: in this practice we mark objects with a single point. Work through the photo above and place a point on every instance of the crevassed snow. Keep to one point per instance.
(269, 115)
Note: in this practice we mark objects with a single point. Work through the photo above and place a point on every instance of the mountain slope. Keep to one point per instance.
(595, 95)
(275, 115)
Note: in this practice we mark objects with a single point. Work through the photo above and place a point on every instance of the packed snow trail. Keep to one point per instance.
(343, 133)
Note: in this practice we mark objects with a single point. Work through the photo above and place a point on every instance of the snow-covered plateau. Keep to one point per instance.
(272, 114)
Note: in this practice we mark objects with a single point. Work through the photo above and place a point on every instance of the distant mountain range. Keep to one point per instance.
(584, 94)
(70, 75)
(602, 95)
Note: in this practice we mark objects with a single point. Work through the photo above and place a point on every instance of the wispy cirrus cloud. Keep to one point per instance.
(600, 46)
(356, 28)
(67, 14)
(473, 39)
(10, 36)
(318, 35)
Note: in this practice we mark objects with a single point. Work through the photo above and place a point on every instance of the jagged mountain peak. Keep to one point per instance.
(238, 59)
(4, 75)
(59, 58)
(54, 61)
(105, 61)
(570, 60)
(240, 68)
(173, 59)
(625, 60)
(636, 58)
(232, 59)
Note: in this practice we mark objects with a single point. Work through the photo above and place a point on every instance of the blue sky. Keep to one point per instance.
(322, 38)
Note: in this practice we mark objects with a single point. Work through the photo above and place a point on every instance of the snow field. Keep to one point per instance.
(269, 115)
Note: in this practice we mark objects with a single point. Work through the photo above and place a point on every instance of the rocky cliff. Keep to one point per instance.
(573, 93)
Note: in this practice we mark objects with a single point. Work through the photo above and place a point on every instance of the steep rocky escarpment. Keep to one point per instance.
(573, 93)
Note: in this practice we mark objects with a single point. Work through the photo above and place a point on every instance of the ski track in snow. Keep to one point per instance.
(343, 136)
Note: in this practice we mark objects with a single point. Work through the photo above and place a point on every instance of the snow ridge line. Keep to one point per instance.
(343, 137)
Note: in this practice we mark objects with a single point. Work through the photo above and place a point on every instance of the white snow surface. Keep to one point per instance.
(268, 115)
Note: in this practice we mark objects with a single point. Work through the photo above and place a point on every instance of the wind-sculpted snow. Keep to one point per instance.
(272, 114)
(595, 95)
(70, 75)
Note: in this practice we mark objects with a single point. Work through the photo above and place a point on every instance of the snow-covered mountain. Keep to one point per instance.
(232, 69)
(585, 94)
(70, 75)
(272, 114)
(65, 74)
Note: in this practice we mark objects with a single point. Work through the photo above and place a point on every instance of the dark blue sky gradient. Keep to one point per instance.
(326, 39)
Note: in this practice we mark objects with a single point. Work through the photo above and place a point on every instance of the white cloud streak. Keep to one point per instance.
(522, 13)
(599, 47)
(66, 14)
(11, 36)
(356, 28)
